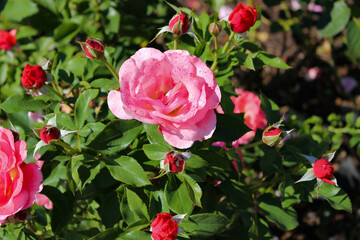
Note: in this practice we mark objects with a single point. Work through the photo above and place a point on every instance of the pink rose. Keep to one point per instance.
(19, 182)
(249, 104)
(41, 199)
(171, 89)
(7, 39)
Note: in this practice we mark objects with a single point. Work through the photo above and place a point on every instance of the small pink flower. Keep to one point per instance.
(19, 182)
(7, 39)
(312, 74)
(35, 116)
(315, 8)
(173, 89)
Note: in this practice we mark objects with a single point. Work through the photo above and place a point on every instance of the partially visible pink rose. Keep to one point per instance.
(314, 7)
(7, 39)
(172, 89)
(19, 182)
(41, 199)
(225, 11)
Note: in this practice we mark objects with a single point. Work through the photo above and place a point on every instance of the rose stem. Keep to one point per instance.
(224, 50)
(249, 145)
(216, 42)
(107, 64)
(175, 43)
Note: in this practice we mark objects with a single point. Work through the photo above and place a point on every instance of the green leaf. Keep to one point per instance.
(109, 234)
(193, 189)
(72, 173)
(116, 136)
(337, 198)
(155, 151)
(135, 235)
(284, 218)
(177, 196)
(196, 161)
(136, 205)
(353, 38)
(90, 130)
(62, 212)
(262, 58)
(17, 10)
(259, 229)
(270, 108)
(230, 127)
(104, 83)
(22, 103)
(82, 106)
(245, 59)
(154, 136)
(64, 121)
(205, 225)
(334, 21)
(127, 170)
(66, 31)
(109, 210)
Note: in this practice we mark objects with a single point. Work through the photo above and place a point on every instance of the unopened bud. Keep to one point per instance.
(215, 28)
(49, 133)
(179, 24)
(94, 48)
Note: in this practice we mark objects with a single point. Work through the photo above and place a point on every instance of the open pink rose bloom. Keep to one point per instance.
(19, 182)
(171, 89)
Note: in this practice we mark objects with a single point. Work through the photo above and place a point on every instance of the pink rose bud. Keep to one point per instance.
(174, 163)
(94, 48)
(164, 227)
(242, 18)
(33, 77)
(7, 39)
(49, 133)
(271, 136)
(215, 28)
(324, 170)
(179, 24)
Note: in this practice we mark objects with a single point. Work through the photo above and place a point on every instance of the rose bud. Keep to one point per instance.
(164, 227)
(179, 24)
(33, 77)
(242, 18)
(94, 48)
(271, 136)
(324, 170)
(7, 39)
(215, 28)
(49, 133)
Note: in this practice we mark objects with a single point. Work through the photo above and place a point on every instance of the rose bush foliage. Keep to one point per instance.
(135, 147)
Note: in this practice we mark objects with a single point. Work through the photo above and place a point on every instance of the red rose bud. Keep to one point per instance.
(174, 163)
(7, 39)
(242, 18)
(179, 24)
(164, 227)
(49, 133)
(33, 77)
(271, 136)
(323, 170)
(215, 28)
(94, 48)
